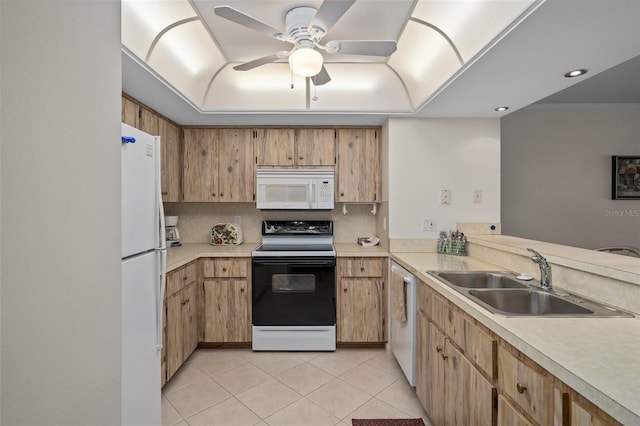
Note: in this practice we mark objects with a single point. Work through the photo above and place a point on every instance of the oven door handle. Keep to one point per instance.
(303, 262)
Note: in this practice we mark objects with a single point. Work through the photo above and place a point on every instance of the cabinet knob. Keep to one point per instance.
(184, 278)
(301, 157)
(520, 387)
(224, 269)
(242, 290)
(342, 194)
(165, 193)
(444, 357)
(222, 194)
(289, 158)
(345, 290)
(362, 269)
(438, 349)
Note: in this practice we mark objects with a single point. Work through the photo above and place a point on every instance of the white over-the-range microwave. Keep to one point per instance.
(294, 189)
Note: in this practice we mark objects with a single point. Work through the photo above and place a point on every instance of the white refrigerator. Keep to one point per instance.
(143, 277)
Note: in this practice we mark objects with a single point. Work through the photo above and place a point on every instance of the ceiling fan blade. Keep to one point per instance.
(261, 61)
(243, 19)
(362, 47)
(329, 13)
(321, 78)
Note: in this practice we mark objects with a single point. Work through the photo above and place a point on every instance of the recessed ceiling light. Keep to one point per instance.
(502, 108)
(575, 73)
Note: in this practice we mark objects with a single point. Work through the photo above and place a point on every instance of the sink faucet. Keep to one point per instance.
(545, 269)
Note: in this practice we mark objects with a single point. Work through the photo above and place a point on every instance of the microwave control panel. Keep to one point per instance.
(326, 191)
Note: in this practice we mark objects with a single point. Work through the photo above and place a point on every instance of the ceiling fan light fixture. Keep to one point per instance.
(305, 61)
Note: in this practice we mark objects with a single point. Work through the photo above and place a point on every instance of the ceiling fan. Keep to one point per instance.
(305, 27)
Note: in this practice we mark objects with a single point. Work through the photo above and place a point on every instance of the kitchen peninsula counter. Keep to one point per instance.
(597, 357)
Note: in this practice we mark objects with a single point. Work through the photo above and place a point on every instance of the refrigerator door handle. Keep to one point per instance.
(163, 252)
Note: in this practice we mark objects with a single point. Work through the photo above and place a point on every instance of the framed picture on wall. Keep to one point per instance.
(625, 177)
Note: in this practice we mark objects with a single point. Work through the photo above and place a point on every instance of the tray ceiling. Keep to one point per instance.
(186, 46)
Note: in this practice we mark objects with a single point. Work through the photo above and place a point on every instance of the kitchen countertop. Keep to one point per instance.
(188, 252)
(597, 357)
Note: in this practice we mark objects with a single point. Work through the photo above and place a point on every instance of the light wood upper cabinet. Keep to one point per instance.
(361, 300)
(275, 147)
(315, 147)
(171, 171)
(149, 122)
(200, 165)
(217, 165)
(130, 112)
(302, 147)
(235, 165)
(358, 168)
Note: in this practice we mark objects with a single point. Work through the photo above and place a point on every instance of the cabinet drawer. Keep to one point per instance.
(180, 278)
(439, 312)
(481, 347)
(526, 386)
(361, 267)
(225, 267)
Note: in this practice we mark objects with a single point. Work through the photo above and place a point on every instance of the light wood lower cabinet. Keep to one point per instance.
(452, 389)
(466, 375)
(227, 300)
(361, 300)
(509, 416)
(526, 386)
(182, 317)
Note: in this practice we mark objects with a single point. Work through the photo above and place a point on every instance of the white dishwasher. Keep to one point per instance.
(403, 333)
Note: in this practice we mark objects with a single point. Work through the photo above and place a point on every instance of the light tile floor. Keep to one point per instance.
(238, 387)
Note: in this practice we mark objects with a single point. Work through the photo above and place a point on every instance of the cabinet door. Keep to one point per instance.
(358, 169)
(422, 360)
(174, 334)
(170, 148)
(275, 147)
(360, 315)
(315, 147)
(227, 314)
(478, 396)
(435, 367)
(508, 416)
(189, 314)
(199, 173)
(130, 113)
(235, 165)
(149, 122)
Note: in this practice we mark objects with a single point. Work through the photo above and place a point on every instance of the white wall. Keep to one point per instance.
(556, 174)
(427, 155)
(60, 226)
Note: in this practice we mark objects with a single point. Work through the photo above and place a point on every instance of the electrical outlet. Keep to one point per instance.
(445, 196)
(428, 224)
(237, 219)
(477, 196)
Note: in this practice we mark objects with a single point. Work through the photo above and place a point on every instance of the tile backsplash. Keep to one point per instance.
(196, 219)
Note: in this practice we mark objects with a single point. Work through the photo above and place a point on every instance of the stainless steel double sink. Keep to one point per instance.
(503, 294)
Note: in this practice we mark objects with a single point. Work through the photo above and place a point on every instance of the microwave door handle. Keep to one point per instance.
(313, 194)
